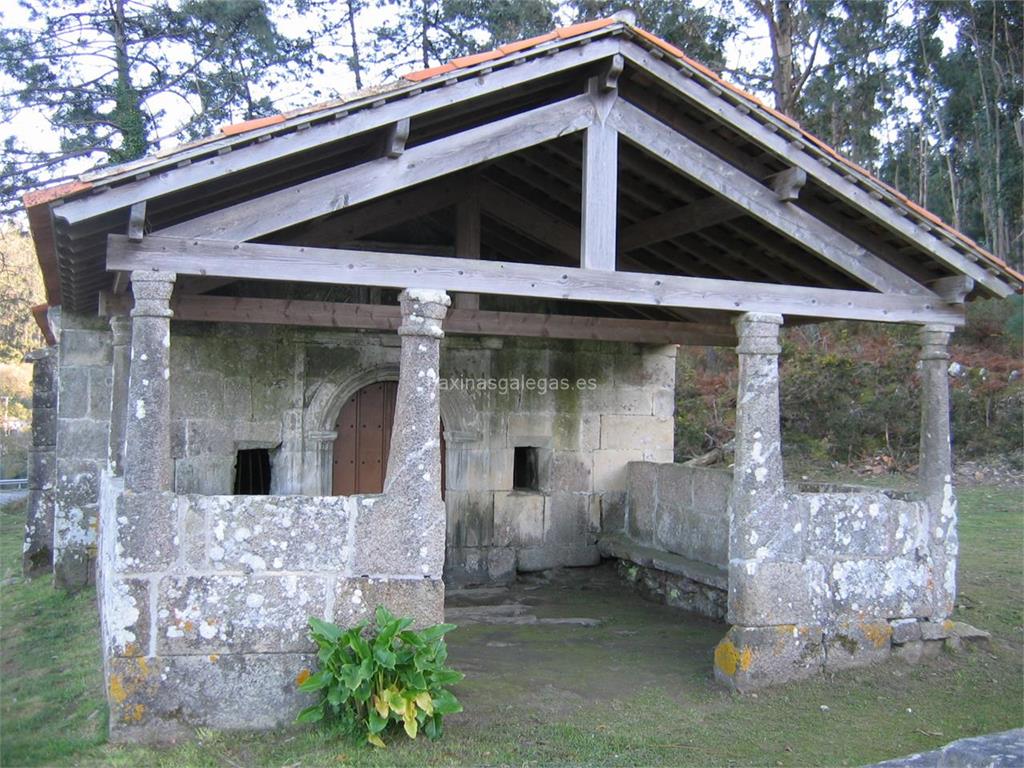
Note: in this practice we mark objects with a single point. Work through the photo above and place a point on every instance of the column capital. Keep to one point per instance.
(935, 341)
(422, 312)
(758, 333)
(152, 290)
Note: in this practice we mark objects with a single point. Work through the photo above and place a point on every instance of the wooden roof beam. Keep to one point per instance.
(167, 180)
(744, 123)
(336, 191)
(320, 314)
(255, 261)
(727, 181)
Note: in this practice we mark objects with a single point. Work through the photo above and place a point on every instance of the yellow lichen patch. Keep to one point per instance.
(947, 625)
(877, 634)
(188, 626)
(117, 691)
(302, 677)
(728, 658)
(214, 657)
(136, 713)
(131, 649)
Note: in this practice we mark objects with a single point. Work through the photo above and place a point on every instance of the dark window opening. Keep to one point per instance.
(524, 470)
(252, 472)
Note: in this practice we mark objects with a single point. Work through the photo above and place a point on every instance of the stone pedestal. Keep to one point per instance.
(147, 451)
(403, 534)
(936, 466)
(770, 596)
(766, 575)
(37, 553)
(121, 334)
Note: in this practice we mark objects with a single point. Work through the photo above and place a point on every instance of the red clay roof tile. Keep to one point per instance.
(477, 58)
(530, 42)
(251, 125)
(426, 74)
(56, 192)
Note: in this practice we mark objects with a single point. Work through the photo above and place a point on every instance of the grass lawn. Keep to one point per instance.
(635, 691)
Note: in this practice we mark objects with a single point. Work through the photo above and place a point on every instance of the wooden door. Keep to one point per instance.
(363, 443)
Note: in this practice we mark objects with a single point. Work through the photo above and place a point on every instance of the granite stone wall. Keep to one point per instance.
(37, 550)
(205, 601)
(682, 510)
(82, 444)
(239, 387)
(852, 579)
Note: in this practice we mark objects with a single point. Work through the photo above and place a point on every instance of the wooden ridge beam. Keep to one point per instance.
(321, 314)
(723, 179)
(254, 261)
(370, 180)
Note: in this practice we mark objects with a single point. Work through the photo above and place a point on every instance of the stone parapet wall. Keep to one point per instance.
(855, 580)
(82, 444)
(202, 596)
(37, 550)
(680, 509)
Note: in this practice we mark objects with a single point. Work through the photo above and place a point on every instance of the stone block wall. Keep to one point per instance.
(281, 388)
(853, 579)
(82, 444)
(37, 551)
(205, 623)
(682, 510)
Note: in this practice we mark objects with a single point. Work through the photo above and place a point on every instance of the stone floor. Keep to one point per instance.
(619, 643)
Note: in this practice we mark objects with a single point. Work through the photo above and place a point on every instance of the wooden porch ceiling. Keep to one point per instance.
(787, 214)
(600, 179)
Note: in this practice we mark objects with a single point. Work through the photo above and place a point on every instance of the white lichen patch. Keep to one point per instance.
(120, 615)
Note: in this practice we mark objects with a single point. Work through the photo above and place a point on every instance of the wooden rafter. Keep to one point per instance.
(746, 125)
(328, 132)
(335, 191)
(762, 203)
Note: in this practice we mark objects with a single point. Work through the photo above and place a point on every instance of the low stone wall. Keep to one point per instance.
(204, 623)
(680, 509)
(848, 579)
(674, 548)
(37, 551)
(832, 577)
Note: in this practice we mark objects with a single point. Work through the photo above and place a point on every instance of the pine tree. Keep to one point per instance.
(100, 75)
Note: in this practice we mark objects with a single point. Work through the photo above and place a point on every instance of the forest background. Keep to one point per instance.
(926, 94)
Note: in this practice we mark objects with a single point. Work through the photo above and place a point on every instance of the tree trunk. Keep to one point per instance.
(357, 68)
(128, 114)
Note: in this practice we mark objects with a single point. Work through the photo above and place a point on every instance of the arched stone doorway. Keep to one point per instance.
(363, 442)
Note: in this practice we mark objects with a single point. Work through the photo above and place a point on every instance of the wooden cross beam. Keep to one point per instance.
(321, 314)
(192, 256)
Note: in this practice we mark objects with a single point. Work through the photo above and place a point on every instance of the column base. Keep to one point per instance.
(748, 658)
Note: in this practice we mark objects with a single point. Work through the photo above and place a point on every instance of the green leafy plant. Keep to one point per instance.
(379, 679)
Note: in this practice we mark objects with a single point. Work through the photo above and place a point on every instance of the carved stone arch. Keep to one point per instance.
(458, 415)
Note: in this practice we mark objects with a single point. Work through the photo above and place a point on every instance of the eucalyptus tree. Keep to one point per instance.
(424, 33)
(701, 31)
